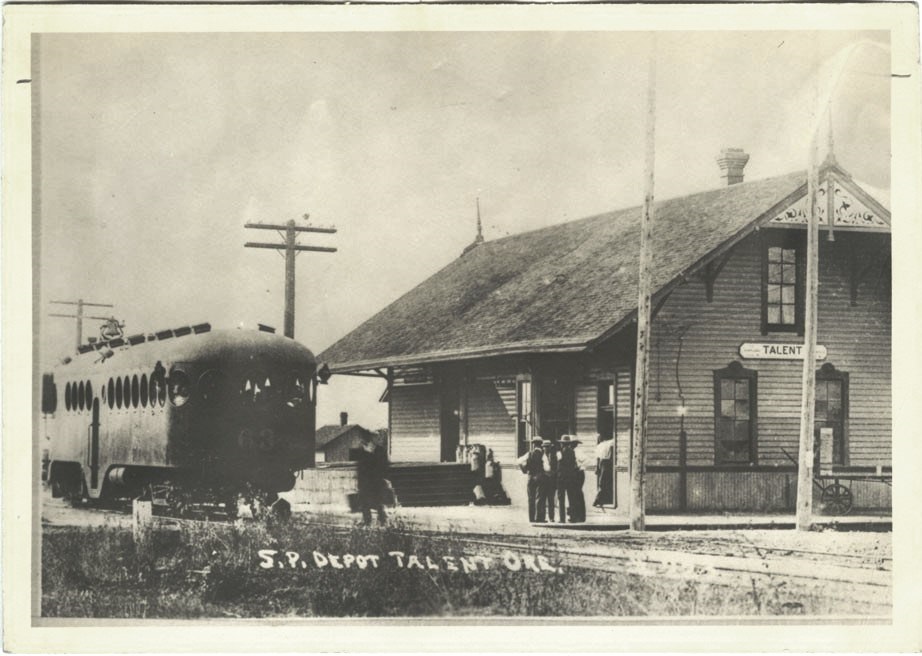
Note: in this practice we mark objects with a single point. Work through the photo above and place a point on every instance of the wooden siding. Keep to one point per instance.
(857, 339)
(488, 420)
(415, 424)
(750, 491)
(624, 426)
(587, 408)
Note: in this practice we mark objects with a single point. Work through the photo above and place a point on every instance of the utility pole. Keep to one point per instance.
(808, 380)
(80, 303)
(291, 248)
(639, 433)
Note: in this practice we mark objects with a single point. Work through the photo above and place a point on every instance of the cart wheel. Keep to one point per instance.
(837, 499)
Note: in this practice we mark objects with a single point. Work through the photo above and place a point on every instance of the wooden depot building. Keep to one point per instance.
(535, 334)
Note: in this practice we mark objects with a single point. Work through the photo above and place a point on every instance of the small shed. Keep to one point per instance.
(334, 442)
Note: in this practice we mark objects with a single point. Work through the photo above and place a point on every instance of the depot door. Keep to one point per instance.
(830, 414)
(556, 407)
(450, 419)
(94, 446)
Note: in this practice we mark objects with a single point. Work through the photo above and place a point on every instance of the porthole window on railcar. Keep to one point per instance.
(212, 386)
(67, 396)
(143, 390)
(297, 389)
(118, 393)
(135, 391)
(179, 387)
(80, 397)
(111, 393)
(88, 391)
(156, 389)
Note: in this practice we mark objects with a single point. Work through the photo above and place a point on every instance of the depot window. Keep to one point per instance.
(783, 283)
(735, 415)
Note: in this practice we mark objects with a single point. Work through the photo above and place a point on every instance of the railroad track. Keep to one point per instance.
(716, 560)
(849, 578)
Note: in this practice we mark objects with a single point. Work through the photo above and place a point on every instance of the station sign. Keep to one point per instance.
(777, 351)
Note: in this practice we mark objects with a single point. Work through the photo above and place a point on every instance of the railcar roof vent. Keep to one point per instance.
(151, 337)
(266, 329)
(119, 341)
(183, 331)
(85, 348)
(164, 334)
(201, 328)
(136, 339)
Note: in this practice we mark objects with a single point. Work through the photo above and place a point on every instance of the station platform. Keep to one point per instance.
(512, 519)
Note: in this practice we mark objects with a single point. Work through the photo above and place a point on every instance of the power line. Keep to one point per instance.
(291, 249)
(79, 316)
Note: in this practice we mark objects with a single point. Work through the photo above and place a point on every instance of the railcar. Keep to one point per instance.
(191, 414)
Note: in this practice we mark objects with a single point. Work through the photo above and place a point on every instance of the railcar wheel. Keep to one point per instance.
(74, 497)
(230, 507)
(837, 499)
(177, 502)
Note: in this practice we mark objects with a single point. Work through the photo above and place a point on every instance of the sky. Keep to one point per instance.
(155, 149)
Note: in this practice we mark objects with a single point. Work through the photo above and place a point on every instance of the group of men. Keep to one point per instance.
(554, 475)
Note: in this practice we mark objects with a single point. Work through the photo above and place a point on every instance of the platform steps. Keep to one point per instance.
(445, 484)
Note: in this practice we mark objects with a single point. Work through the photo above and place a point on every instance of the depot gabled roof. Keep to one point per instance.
(566, 287)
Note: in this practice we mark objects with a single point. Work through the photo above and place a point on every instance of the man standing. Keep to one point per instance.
(532, 465)
(550, 478)
(570, 478)
(371, 468)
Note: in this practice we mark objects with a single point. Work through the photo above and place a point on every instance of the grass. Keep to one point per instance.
(217, 571)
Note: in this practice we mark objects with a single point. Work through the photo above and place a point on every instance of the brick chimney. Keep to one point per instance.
(343, 418)
(732, 161)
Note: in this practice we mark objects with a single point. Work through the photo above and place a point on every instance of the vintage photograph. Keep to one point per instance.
(462, 323)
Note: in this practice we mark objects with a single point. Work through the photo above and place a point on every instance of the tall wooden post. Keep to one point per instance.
(291, 248)
(639, 433)
(290, 279)
(804, 518)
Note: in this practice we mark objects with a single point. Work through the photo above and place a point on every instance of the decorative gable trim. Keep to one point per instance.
(852, 208)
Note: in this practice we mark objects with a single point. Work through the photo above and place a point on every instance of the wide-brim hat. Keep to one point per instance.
(537, 440)
(547, 443)
(569, 439)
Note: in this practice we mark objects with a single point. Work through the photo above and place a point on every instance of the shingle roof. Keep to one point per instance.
(557, 288)
(326, 434)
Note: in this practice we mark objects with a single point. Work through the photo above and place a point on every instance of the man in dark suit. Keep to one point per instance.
(570, 478)
(371, 468)
(532, 464)
(550, 478)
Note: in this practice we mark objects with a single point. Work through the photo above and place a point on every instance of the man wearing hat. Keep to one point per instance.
(532, 464)
(570, 482)
(550, 476)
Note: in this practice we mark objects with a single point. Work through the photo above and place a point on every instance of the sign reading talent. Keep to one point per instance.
(778, 351)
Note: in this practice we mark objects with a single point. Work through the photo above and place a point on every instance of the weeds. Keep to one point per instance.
(216, 571)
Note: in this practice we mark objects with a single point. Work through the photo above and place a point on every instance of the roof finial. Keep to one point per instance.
(479, 238)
